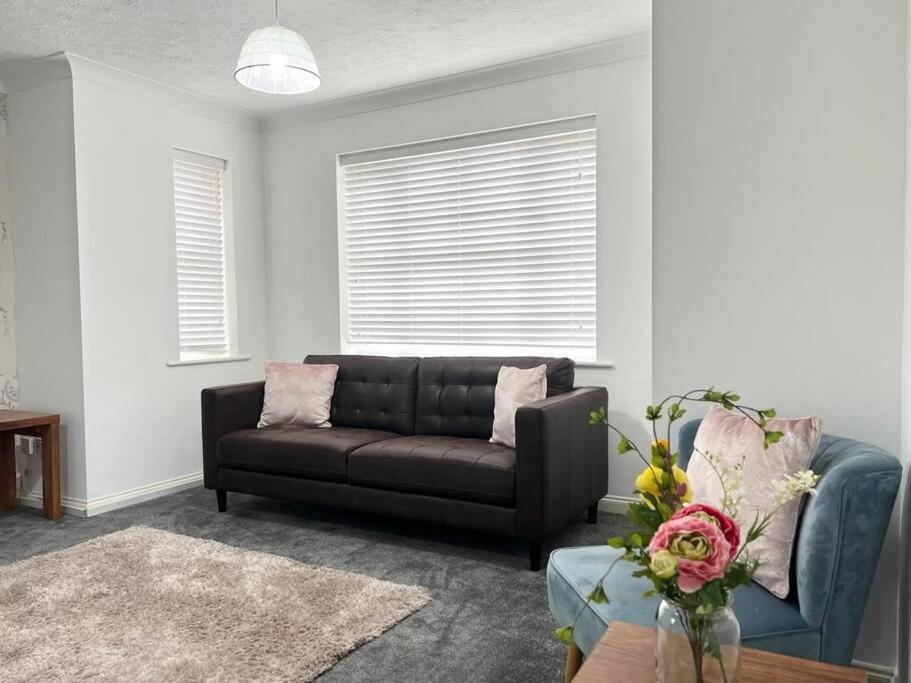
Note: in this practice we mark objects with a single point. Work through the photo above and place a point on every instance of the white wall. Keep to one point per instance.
(9, 386)
(300, 173)
(142, 418)
(46, 272)
(95, 264)
(778, 218)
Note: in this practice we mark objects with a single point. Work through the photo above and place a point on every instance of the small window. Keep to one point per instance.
(204, 326)
(471, 245)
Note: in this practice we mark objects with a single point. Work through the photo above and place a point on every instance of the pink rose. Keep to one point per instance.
(729, 526)
(700, 547)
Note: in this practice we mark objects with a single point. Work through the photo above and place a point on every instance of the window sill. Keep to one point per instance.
(596, 364)
(208, 361)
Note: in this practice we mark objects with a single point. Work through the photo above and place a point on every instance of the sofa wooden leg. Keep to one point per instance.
(593, 514)
(573, 662)
(222, 497)
(534, 555)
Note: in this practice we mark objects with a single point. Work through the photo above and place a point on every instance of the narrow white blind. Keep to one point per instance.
(200, 227)
(483, 248)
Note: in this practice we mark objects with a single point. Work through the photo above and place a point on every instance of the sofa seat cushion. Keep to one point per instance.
(766, 622)
(442, 466)
(305, 452)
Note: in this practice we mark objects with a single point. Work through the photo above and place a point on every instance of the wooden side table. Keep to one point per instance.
(626, 653)
(47, 428)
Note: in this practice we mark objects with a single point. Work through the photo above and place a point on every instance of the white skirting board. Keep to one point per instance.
(95, 506)
(875, 673)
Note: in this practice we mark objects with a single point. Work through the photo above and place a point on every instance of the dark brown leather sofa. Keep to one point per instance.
(409, 437)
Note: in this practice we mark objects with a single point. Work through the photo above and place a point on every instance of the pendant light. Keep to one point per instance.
(277, 60)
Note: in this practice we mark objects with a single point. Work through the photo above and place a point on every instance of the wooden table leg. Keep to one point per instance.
(573, 662)
(8, 498)
(50, 465)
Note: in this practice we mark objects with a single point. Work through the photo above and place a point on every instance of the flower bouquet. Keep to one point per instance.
(693, 554)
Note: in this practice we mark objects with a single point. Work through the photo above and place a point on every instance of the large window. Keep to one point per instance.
(204, 323)
(471, 245)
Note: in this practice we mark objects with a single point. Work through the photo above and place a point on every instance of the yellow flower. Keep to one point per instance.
(647, 483)
(661, 446)
(663, 564)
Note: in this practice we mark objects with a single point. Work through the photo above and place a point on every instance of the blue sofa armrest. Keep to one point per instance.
(839, 538)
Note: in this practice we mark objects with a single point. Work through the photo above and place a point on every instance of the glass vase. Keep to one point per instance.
(696, 648)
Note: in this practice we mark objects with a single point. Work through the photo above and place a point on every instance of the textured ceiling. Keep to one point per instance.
(360, 45)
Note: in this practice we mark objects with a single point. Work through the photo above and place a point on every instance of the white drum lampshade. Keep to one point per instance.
(277, 60)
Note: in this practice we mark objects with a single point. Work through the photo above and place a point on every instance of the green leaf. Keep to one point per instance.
(616, 542)
(712, 396)
(624, 445)
(644, 516)
(598, 417)
(738, 574)
(598, 596)
(635, 540)
(652, 413)
(772, 437)
(768, 413)
(712, 594)
(565, 634)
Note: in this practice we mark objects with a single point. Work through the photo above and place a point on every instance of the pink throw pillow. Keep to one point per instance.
(298, 394)
(728, 437)
(515, 388)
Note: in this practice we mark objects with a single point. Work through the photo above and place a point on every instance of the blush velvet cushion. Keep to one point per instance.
(298, 394)
(515, 387)
(729, 437)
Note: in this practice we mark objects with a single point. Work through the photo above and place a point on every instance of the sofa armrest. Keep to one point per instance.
(840, 538)
(561, 460)
(224, 410)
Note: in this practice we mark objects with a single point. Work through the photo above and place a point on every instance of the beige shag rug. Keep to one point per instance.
(149, 605)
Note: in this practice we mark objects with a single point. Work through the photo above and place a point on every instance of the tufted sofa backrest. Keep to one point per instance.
(373, 392)
(455, 395)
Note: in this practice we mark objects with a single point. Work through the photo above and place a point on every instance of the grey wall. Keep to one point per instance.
(779, 131)
(9, 387)
(125, 132)
(45, 256)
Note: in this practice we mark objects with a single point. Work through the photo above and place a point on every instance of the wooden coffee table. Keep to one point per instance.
(46, 427)
(626, 653)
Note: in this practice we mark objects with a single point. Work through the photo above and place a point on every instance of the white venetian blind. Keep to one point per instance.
(200, 226)
(483, 246)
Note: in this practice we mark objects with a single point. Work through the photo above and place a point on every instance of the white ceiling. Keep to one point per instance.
(360, 45)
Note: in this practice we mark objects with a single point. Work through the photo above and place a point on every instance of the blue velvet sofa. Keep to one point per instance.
(839, 539)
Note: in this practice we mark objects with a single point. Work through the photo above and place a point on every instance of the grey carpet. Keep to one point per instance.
(488, 620)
